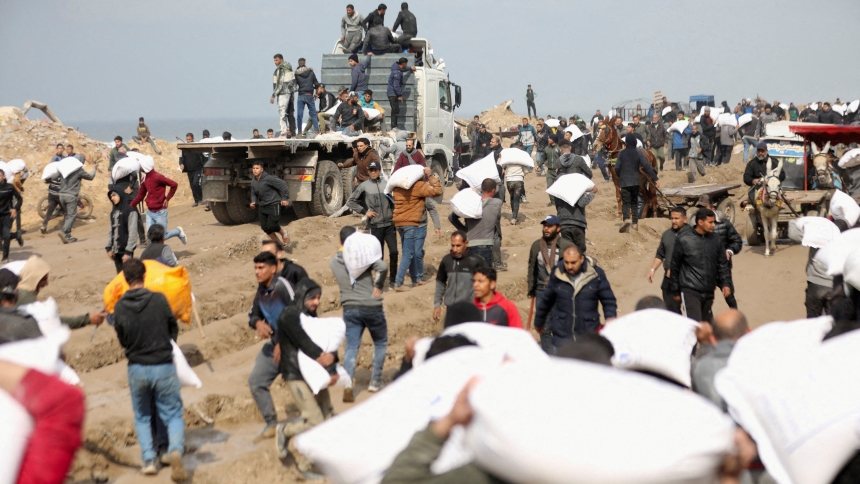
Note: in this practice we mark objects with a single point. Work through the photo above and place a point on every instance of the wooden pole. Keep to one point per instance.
(197, 320)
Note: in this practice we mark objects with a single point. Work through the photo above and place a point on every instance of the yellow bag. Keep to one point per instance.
(173, 282)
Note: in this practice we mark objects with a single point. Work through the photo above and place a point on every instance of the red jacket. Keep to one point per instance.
(153, 188)
(403, 160)
(500, 311)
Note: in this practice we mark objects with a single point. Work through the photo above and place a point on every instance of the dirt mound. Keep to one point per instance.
(35, 142)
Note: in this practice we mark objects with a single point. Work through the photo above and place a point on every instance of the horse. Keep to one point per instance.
(767, 203)
(608, 138)
(825, 176)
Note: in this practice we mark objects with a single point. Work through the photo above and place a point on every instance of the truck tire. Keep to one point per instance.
(239, 205)
(439, 173)
(328, 189)
(219, 210)
(348, 175)
(751, 231)
(302, 209)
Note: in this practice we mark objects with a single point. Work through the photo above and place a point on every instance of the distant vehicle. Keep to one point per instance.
(701, 101)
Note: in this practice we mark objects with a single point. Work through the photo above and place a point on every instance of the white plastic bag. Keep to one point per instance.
(371, 113)
(839, 109)
(515, 343)
(146, 161)
(611, 427)
(654, 340)
(125, 167)
(404, 178)
(360, 251)
(833, 255)
(479, 170)
(850, 159)
(744, 119)
(515, 156)
(358, 446)
(328, 334)
(588, 158)
(727, 119)
(679, 126)
(817, 231)
(570, 187)
(467, 203)
(843, 207)
(184, 372)
(783, 106)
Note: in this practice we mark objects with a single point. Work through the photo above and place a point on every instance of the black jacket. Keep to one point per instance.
(629, 161)
(758, 168)
(570, 163)
(293, 272)
(829, 117)
(16, 325)
(378, 38)
(145, 324)
(535, 271)
(268, 190)
(407, 21)
(665, 249)
(9, 198)
(370, 20)
(191, 161)
(306, 80)
(708, 128)
(122, 234)
(657, 134)
(729, 236)
(479, 151)
(293, 338)
(327, 101)
(454, 279)
(349, 115)
(699, 264)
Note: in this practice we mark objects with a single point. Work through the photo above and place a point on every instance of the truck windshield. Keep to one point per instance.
(444, 96)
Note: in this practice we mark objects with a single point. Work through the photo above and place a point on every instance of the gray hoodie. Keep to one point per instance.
(396, 148)
(359, 295)
(71, 185)
(373, 193)
(480, 231)
(351, 24)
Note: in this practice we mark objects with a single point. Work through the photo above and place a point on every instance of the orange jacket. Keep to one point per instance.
(409, 204)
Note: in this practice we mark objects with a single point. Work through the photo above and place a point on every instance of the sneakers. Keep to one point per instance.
(63, 237)
(401, 288)
(177, 469)
(635, 227)
(348, 396)
(281, 440)
(500, 267)
(311, 476)
(513, 221)
(524, 199)
(43, 229)
(182, 236)
(196, 204)
(421, 282)
(374, 386)
(625, 227)
(267, 433)
(149, 468)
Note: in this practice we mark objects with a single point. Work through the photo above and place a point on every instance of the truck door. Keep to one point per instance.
(431, 111)
(445, 132)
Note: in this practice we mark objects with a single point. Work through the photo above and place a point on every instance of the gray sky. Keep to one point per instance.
(167, 59)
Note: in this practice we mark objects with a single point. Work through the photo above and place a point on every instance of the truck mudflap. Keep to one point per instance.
(215, 190)
(300, 191)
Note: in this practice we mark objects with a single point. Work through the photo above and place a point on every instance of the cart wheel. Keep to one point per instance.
(727, 206)
(751, 231)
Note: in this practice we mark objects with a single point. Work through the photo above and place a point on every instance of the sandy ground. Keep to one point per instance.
(219, 261)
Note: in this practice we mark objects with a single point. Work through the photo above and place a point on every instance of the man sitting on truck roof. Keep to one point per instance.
(409, 23)
(350, 30)
(379, 40)
(367, 102)
(349, 117)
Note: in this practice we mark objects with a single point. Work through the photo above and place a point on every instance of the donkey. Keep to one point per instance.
(767, 204)
(825, 177)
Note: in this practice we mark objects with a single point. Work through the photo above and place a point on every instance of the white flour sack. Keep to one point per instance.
(817, 231)
(478, 171)
(16, 425)
(125, 167)
(727, 119)
(358, 446)
(328, 334)
(654, 340)
(360, 251)
(800, 401)
(850, 159)
(467, 203)
(613, 427)
(404, 178)
(514, 343)
(744, 119)
(679, 126)
(515, 156)
(843, 207)
(16, 166)
(570, 187)
(834, 254)
(184, 372)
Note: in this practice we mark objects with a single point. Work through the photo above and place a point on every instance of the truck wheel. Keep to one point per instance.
(347, 176)
(328, 189)
(239, 205)
(219, 210)
(439, 173)
(302, 209)
(727, 206)
(751, 231)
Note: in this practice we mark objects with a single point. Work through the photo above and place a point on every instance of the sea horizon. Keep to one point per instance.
(171, 129)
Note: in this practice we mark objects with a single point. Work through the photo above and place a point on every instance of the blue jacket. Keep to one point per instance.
(395, 81)
(359, 77)
(682, 140)
(569, 310)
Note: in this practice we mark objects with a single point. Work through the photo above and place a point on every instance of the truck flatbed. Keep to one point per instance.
(688, 190)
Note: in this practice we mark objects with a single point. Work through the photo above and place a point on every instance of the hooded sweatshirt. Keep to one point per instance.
(145, 324)
(293, 338)
(34, 270)
(500, 311)
(397, 148)
(154, 192)
(395, 81)
(122, 233)
(571, 163)
(269, 190)
(359, 77)
(306, 80)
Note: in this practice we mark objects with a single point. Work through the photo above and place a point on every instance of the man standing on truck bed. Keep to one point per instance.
(306, 82)
(283, 87)
(409, 23)
(268, 194)
(350, 30)
(359, 77)
(395, 88)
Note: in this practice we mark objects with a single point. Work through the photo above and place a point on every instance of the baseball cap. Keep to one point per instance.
(551, 220)
(373, 166)
(704, 201)
(352, 93)
(762, 145)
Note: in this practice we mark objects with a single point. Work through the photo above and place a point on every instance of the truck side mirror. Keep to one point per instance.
(457, 96)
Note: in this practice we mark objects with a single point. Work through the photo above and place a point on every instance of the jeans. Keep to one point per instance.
(629, 197)
(308, 100)
(388, 236)
(601, 163)
(160, 218)
(530, 106)
(546, 336)
(262, 376)
(356, 321)
(195, 181)
(286, 113)
(346, 132)
(483, 251)
(680, 158)
(540, 158)
(412, 240)
(749, 142)
(160, 381)
(517, 190)
(697, 306)
(395, 110)
(528, 149)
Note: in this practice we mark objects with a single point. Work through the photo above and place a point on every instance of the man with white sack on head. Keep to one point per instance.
(480, 231)
(409, 210)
